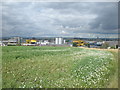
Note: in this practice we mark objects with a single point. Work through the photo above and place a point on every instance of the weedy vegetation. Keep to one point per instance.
(58, 67)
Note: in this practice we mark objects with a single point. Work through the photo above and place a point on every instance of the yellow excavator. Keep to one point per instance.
(77, 43)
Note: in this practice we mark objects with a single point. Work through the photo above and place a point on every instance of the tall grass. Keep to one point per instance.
(56, 67)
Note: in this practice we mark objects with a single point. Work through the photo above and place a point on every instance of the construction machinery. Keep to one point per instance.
(31, 41)
(77, 43)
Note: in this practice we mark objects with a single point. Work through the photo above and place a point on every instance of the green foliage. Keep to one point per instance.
(67, 40)
(18, 44)
(105, 45)
(112, 47)
(74, 44)
(11, 45)
(87, 44)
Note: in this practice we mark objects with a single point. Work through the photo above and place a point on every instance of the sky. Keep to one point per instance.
(60, 19)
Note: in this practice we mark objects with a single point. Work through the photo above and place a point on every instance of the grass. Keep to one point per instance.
(57, 67)
(114, 80)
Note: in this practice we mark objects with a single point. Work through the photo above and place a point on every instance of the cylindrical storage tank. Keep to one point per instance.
(64, 41)
(56, 40)
(60, 40)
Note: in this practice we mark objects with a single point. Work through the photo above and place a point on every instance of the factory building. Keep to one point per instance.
(14, 41)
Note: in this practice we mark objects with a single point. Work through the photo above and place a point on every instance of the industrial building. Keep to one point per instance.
(60, 41)
(14, 41)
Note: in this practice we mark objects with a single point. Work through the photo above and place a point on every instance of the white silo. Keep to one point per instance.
(56, 40)
(60, 40)
(64, 41)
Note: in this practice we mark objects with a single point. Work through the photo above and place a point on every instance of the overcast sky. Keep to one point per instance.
(56, 19)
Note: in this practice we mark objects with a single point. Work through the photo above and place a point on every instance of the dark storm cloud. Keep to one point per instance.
(107, 16)
(59, 18)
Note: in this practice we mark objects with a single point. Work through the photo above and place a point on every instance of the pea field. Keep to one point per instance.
(58, 67)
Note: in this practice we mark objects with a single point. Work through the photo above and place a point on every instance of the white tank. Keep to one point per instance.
(56, 40)
(60, 40)
(64, 41)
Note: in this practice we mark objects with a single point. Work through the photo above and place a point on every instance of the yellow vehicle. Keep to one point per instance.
(78, 43)
(31, 41)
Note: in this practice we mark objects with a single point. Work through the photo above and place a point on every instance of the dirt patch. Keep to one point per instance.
(113, 50)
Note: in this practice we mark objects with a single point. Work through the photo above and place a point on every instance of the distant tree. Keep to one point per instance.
(18, 44)
(116, 46)
(87, 44)
(67, 40)
(74, 44)
(105, 45)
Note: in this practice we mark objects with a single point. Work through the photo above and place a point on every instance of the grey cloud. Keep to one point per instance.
(107, 17)
(42, 19)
